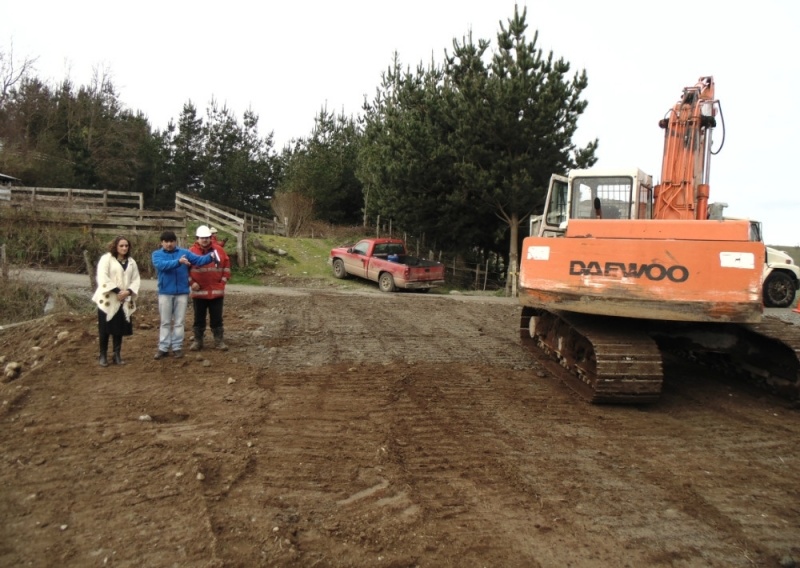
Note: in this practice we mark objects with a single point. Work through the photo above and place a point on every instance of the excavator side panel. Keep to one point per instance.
(704, 271)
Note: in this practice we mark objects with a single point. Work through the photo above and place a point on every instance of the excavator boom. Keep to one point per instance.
(684, 190)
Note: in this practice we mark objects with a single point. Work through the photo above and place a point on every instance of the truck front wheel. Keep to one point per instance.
(386, 282)
(338, 269)
(779, 290)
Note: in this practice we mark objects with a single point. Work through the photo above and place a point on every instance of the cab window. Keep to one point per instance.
(361, 248)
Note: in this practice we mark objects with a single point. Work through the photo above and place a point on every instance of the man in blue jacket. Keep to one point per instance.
(172, 264)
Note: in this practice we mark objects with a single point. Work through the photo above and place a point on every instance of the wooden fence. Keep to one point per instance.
(223, 216)
(102, 211)
(232, 220)
(108, 211)
(75, 198)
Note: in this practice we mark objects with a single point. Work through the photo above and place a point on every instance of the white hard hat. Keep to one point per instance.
(202, 231)
(213, 230)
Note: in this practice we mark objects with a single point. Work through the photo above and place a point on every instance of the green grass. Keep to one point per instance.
(273, 257)
(305, 258)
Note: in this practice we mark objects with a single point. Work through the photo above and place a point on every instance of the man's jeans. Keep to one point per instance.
(172, 309)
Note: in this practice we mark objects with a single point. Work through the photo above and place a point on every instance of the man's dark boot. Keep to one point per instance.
(197, 344)
(103, 350)
(117, 350)
(219, 341)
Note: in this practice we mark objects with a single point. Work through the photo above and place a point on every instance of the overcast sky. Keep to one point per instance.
(285, 60)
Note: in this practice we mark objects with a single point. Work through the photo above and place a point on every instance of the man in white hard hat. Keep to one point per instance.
(207, 283)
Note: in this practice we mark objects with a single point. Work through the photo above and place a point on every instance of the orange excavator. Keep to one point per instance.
(621, 271)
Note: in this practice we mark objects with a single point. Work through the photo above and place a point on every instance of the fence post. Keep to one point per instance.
(241, 248)
(4, 261)
(105, 198)
(141, 201)
(486, 275)
(89, 269)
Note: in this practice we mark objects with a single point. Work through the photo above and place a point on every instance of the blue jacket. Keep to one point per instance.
(173, 277)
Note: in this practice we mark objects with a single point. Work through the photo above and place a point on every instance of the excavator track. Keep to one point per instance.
(767, 353)
(619, 360)
(782, 373)
(608, 360)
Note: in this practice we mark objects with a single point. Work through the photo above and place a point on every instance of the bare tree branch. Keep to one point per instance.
(12, 72)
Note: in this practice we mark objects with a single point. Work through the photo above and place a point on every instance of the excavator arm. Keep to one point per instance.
(683, 192)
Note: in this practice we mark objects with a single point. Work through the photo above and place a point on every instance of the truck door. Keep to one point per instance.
(356, 262)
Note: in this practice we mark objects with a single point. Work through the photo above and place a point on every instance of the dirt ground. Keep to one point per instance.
(365, 430)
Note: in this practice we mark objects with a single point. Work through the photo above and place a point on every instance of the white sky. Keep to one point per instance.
(285, 60)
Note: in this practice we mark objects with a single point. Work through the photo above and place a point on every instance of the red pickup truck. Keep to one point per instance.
(385, 261)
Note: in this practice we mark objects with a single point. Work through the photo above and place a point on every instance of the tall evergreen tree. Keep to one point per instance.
(188, 161)
(405, 164)
(517, 120)
(240, 166)
(453, 150)
(322, 168)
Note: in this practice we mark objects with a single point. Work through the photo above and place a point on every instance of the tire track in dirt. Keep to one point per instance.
(366, 430)
(378, 329)
(692, 498)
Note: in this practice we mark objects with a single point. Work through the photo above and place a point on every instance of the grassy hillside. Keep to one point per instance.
(282, 257)
(276, 260)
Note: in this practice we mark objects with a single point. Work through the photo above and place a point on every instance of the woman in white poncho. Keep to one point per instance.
(117, 287)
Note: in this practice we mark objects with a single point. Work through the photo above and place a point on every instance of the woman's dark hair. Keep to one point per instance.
(112, 248)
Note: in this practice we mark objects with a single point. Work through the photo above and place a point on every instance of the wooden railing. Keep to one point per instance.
(215, 216)
(209, 213)
(111, 211)
(76, 198)
(223, 216)
(232, 220)
(102, 211)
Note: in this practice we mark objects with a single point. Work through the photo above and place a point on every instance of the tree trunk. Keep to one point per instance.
(513, 256)
(366, 203)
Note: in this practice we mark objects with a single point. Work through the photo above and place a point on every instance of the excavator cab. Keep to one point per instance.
(595, 194)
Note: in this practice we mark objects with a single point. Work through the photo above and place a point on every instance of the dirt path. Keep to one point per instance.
(359, 430)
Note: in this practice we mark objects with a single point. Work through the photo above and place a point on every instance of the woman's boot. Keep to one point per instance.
(117, 350)
(103, 350)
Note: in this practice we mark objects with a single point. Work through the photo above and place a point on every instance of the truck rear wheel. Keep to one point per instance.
(338, 269)
(386, 283)
(779, 290)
